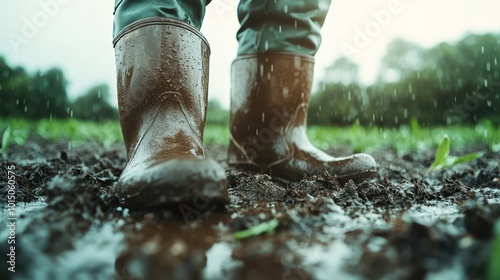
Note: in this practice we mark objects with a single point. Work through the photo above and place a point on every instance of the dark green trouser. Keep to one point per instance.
(266, 25)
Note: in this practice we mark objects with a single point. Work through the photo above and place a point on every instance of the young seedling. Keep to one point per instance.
(444, 160)
(6, 137)
(416, 134)
(264, 227)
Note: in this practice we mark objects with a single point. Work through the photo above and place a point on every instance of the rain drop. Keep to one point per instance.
(286, 9)
(286, 92)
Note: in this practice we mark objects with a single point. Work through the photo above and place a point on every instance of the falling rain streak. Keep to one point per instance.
(450, 83)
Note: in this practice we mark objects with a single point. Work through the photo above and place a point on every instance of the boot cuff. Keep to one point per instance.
(158, 21)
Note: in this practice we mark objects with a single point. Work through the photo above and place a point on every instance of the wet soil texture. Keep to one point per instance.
(404, 225)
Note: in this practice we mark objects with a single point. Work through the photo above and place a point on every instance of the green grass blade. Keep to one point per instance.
(442, 153)
(415, 127)
(452, 161)
(264, 227)
(466, 158)
(6, 137)
(443, 149)
(449, 161)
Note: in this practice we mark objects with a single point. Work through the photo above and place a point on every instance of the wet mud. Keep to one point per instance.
(404, 225)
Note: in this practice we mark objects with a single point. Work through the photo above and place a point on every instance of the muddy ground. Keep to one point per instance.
(404, 225)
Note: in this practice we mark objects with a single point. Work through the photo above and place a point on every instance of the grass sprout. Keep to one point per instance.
(444, 160)
(265, 227)
(6, 138)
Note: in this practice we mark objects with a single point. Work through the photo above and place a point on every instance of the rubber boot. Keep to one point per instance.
(269, 102)
(162, 77)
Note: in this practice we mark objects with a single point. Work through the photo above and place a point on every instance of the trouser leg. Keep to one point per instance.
(281, 25)
(129, 11)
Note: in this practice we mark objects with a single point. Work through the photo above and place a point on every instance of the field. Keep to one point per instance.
(410, 223)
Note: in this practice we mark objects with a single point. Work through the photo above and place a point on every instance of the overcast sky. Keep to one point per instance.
(76, 35)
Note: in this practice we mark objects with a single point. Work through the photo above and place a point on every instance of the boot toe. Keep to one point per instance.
(198, 182)
(358, 167)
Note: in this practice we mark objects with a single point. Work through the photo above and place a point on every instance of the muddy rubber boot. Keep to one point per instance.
(162, 77)
(269, 102)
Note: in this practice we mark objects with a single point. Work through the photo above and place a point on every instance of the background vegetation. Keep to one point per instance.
(448, 84)
(451, 83)
(43, 95)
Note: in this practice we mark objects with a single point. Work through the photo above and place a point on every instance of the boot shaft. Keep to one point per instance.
(269, 102)
(269, 99)
(162, 82)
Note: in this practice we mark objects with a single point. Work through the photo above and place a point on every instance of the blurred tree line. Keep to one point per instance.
(448, 84)
(43, 95)
(451, 83)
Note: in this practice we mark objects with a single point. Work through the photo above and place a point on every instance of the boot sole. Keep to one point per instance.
(193, 182)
